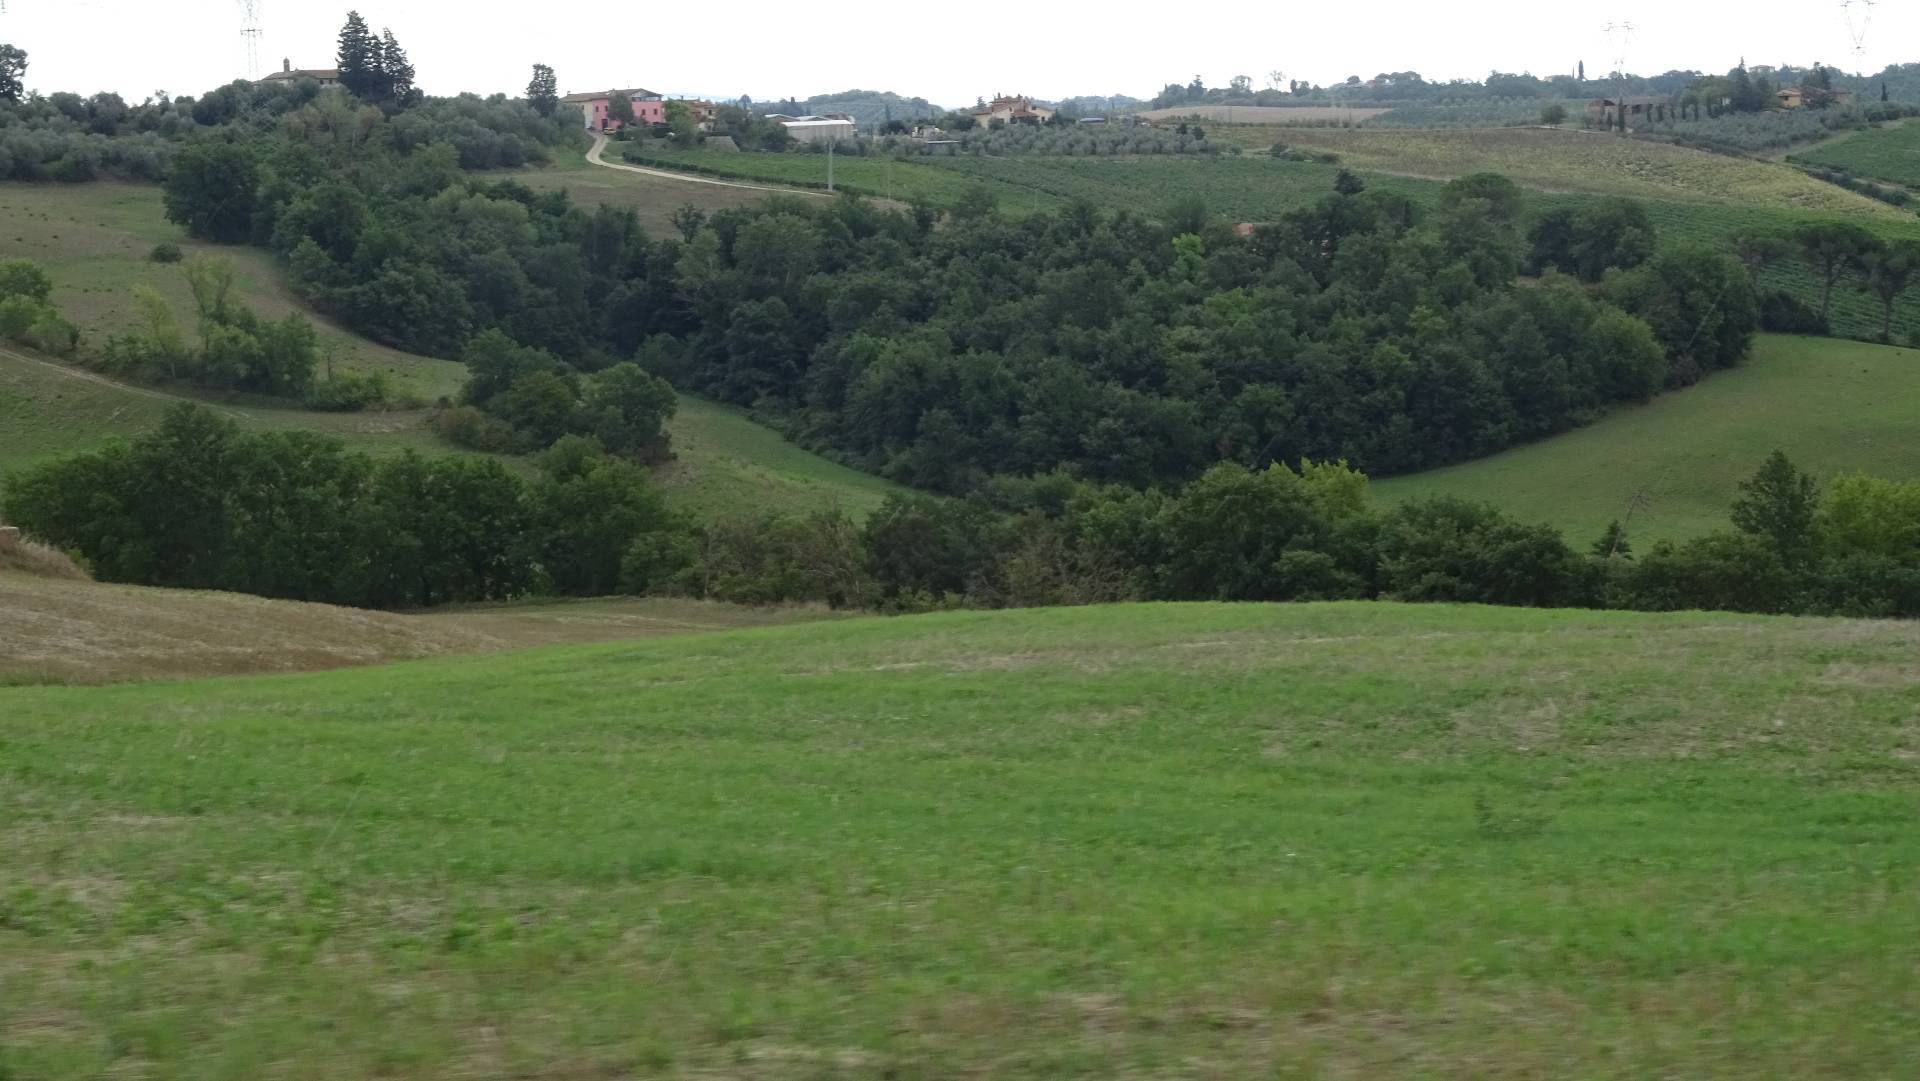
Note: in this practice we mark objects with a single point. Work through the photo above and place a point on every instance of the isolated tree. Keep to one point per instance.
(1779, 503)
(619, 108)
(1829, 249)
(1241, 85)
(1346, 183)
(396, 72)
(1274, 77)
(13, 72)
(210, 190)
(1613, 542)
(357, 58)
(1583, 71)
(1553, 115)
(1886, 272)
(543, 91)
(1883, 90)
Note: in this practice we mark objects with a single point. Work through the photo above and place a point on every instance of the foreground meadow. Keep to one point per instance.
(1159, 840)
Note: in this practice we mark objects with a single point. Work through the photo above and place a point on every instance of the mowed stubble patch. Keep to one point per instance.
(1040, 844)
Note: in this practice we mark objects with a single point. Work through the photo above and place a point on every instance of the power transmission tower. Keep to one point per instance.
(1619, 44)
(250, 30)
(1859, 17)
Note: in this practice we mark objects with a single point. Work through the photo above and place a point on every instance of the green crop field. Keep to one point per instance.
(1832, 406)
(1205, 841)
(1890, 153)
(94, 240)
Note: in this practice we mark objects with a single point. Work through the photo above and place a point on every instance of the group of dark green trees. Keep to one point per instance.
(200, 504)
(374, 69)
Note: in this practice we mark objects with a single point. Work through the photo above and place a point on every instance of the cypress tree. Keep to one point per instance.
(359, 68)
(396, 72)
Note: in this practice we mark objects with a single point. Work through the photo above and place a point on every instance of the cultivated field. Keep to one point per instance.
(1179, 840)
(654, 199)
(61, 631)
(1832, 406)
(94, 239)
(1890, 153)
(1554, 160)
(1264, 114)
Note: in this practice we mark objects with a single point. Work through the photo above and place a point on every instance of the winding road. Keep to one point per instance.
(600, 142)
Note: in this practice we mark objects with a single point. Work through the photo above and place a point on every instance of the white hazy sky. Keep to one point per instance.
(949, 55)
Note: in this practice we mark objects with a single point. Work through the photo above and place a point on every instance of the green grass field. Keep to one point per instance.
(1832, 406)
(1890, 152)
(1196, 841)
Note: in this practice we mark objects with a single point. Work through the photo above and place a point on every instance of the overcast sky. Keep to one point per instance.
(948, 54)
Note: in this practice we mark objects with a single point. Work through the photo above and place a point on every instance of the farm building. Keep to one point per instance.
(288, 74)
(648, 107)
(833, 127)
(1794, 97)
(1630, 109)
(1017, 109)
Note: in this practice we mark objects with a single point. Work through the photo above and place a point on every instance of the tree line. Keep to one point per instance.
(200, 504)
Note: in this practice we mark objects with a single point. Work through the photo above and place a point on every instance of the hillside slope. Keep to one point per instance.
(1195, 840)
(1832, 406)
(95, 239)
(63, 631)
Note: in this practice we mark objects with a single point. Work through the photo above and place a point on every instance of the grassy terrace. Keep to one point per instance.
(1195, 840)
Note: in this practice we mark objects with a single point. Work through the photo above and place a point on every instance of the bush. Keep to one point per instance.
(165, 252)
(348, 392)
(466, 426)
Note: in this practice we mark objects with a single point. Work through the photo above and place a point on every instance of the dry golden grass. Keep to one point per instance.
(28, 556)
(58, 630)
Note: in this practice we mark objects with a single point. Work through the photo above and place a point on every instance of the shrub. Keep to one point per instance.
(165, 252)
(348, 392)
(466, 426)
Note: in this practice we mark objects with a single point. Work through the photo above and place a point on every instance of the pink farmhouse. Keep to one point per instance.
(648, 108)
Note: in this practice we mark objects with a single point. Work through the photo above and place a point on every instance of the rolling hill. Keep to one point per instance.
(1197, 840)
(62, 631)
(1832, 406)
